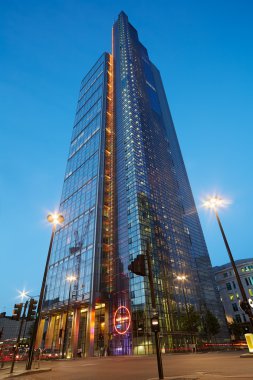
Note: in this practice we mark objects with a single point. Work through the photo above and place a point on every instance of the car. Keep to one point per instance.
(49, 354)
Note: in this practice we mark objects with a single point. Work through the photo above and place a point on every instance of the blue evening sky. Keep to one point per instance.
(204, 52)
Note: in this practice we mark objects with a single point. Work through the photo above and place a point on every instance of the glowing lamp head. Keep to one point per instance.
(215, 202)
(181, 278)
(23, 294)
(55, 218)
(71, 278)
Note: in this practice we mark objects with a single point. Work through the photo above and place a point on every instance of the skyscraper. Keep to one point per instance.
(125, 186)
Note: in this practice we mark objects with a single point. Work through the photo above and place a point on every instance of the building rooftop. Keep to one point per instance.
(219, 268)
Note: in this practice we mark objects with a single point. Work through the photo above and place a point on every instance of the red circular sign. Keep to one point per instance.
(122, 320)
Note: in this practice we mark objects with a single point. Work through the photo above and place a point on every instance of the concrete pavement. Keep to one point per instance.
(208, 366)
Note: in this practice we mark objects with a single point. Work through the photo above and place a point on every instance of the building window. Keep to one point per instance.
(247, 268)
(235, 307)
(247, 282)
(225, 274)
(251, 292)
(238, 318)
(228, 285)
(234, 285)
(231, 297)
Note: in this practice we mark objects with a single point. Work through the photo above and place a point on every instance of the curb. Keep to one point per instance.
(246, 356)
(25, 372)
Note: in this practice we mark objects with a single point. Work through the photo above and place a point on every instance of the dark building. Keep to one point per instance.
(125, 185)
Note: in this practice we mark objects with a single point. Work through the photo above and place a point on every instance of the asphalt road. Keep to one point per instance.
(208, 366)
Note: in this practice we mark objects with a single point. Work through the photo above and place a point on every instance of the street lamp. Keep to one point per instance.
(70, 279)
(24, 307)
(214, 203)
(23, 294)
(54, 219)
(182, 279)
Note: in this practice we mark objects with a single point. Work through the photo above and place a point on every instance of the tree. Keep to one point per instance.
(236, 329)
(211, 324)
(190, 321)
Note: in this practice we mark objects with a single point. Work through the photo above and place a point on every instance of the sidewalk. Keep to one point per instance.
(5, 372)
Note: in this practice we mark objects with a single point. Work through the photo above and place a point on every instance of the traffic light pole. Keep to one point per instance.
(42, 290)
(18, 338)
(152, 293)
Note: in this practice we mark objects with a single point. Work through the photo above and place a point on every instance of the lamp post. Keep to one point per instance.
(22, 294)
(18, 338)
(54, 219)
(70, 279)
(213, 203)
(182, 279)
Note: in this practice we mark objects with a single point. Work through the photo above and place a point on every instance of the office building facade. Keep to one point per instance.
(229, 291)
(125, 186)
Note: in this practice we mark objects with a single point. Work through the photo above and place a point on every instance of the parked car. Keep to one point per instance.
(49, 354)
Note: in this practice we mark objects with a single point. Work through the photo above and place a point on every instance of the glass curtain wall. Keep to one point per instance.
(78, 242)
(153, 203)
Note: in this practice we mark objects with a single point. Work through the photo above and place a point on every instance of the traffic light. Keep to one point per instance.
(140, 326)
(17, 311)
(155, 324)
(138, 266)
(31, 315)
